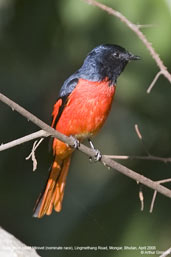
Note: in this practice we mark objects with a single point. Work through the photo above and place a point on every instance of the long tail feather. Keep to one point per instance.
(52, 196)
(60, 185)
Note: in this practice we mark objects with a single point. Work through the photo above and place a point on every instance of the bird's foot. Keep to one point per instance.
(97, 155)
(76, 142)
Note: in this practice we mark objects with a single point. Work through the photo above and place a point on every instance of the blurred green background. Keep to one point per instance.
(41, 44)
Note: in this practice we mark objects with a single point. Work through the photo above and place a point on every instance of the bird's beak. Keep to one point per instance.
(133, 57)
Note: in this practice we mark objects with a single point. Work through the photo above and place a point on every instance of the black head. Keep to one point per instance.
(106, 61)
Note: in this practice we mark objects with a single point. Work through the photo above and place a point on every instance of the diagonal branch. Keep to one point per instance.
(136, 29)
(166, 253)
(88, 151)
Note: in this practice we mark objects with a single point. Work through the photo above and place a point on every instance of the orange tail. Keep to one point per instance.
(53, 194)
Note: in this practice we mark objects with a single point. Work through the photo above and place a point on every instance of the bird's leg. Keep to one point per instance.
(97, 157)
(76, 143)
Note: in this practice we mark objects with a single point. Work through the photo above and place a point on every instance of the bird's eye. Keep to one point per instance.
(117, 55)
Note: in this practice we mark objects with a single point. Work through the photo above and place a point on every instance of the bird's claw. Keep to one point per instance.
(97, 155)
(76, 142)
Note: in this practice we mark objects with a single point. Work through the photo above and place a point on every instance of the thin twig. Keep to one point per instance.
(153, 201)
(138, 131)
(142, 26)
(33, 151)
(141, 197)
(136, 29)
(88, 151)
(139, 157)
(167, 180)
(154, 81)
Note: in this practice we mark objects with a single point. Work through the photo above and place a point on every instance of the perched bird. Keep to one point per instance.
(81, 109)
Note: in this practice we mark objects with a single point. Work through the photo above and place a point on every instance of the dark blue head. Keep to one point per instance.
(105, 61)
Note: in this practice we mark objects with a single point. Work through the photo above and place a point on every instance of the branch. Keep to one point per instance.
(137, 130)
(139, 157)
(10, 246)
(88, 151)
(154, 81)
(141, 197)
(40, 133)
(149, 156)
(167, 180)
(153, 201)
(166, 253)
(136, 29)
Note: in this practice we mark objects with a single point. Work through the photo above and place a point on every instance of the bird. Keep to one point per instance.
(82, 106)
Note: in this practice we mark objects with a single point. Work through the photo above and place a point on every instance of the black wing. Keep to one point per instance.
(65, 91)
